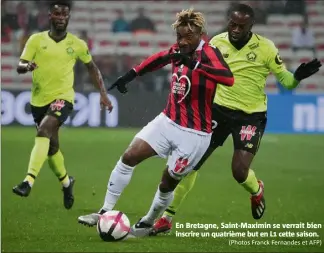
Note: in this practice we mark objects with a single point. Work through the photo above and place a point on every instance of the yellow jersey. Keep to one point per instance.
(251, 66)
(54, 77)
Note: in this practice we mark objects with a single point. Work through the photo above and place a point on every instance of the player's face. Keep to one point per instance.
(188, 40)
(239, 26)
(59, 17)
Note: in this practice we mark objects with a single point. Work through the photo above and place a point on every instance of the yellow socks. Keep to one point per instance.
(180, 193)
(251, 183)
(56, 163)
(37, 158)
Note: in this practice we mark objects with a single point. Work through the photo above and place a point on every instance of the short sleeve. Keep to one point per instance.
(30, 49)
(84, 54)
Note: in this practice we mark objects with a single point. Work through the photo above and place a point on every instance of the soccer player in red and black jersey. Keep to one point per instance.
(183, 130)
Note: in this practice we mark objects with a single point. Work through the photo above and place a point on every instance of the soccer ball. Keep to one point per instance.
(113, 226)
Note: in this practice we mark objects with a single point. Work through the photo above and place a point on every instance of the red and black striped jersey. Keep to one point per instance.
(191, 91)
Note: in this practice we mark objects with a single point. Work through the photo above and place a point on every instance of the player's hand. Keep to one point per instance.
(105, 103)
(186, 60)
(120, 85)
(31, 66)
(307, 69)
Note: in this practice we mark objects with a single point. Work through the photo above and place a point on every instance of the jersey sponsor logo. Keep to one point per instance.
(247, 132)
(251, 56)
(70, 50)
(278, 59)
(180, 165)
(57, 105)
(254, 46)
(181, 86)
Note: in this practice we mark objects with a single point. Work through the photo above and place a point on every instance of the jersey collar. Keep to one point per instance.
(48, 34)
(242, 46)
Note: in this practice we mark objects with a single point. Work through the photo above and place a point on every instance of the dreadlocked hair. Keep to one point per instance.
(190, 18)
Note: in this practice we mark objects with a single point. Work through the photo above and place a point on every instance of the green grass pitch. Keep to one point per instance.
(291, 166)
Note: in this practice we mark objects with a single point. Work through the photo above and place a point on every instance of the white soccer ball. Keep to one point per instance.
(113, 226)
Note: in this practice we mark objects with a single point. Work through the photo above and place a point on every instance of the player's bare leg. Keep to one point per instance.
(162, 199)
(56, 163)
(138, 151)
(242, 173)
(164, 224)
(38, 154)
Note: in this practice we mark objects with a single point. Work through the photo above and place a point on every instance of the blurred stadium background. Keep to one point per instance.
(116, 50)
(120, 34)
(291, 165)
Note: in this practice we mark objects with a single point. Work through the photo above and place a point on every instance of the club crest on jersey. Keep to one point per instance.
(247, 132)
(70, 50)
(57, 105)
(251, 56)
(181, 86)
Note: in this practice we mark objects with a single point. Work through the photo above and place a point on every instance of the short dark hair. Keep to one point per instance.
(67, 3)
(244, 8)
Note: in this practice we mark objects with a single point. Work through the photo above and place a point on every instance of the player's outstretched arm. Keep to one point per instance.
(153, 63)
(98, 82)
(286, 78)
(150, 64)
(291, 80)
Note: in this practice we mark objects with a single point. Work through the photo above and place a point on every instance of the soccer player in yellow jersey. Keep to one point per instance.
(241, 110)
(51, 56)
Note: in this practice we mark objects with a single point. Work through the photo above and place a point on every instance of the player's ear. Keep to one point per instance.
(252, 23)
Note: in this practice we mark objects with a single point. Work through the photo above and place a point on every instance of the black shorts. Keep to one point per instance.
(246, 129)
(59, 108)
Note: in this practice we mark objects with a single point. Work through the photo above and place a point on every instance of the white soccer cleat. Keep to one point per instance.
(89, 220)
(141, 229)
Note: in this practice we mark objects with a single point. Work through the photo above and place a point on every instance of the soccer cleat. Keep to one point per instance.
(90, 219)
(23, 189)
(68, 197)
(161, 226)
(258, 202)
(141, 229)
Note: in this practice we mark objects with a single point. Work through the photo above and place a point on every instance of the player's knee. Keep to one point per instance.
(168, 183)
(129, 158)
(43, 131)
(165, 186)
(53, 149)
(240, 170)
